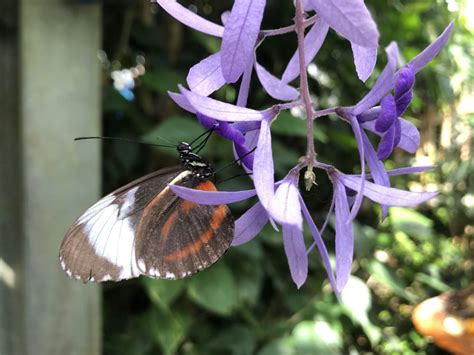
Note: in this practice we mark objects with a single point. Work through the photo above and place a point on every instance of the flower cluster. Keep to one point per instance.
(379, 112)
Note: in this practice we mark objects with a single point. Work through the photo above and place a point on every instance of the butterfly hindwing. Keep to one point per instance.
(177, 238)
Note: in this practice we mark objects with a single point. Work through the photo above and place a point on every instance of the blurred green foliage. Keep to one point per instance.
(247, 303)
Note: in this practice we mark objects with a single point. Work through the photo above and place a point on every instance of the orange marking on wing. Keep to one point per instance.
(187, 205)
(206, 186)
(217, 218)
(165, 231)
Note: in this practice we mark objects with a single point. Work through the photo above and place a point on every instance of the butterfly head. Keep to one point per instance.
(184, 148)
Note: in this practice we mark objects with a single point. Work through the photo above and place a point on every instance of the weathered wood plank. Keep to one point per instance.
(50, 178)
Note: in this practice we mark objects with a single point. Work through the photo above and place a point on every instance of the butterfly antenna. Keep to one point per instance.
(124, 140)
(233, 177)
(237, 160)
(200, 145)
(204, 142)
(174, 145)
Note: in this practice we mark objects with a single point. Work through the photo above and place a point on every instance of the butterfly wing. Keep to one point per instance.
(143, 228)
(178, 238)
(100, 245)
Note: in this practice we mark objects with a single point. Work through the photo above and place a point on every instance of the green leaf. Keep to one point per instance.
(163, 292)
(316, 337)
(235, 340)
(214, 289)
(285, 158)
(357, 308)
(289, 125)
(174, 129)
(382, 274)
(249, 277)
(433, 282)
(411, 222)
(282, 346)
(169, 327)
(162, 81)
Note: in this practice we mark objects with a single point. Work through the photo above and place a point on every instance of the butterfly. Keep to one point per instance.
(143, 228)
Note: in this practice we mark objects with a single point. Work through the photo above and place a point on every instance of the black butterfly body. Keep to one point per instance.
(143, 228)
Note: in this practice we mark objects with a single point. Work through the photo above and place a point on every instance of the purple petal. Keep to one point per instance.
(181, 101)
(190, 19)
(263, 173)
(369, 115)
(344, 236)
(295, 250)
(211, 197)
(245, 86)
(404, 81)
(312, 43)
(351, 19)
(251, 140)
(242, 153)
(422, 59)
(318, 240)
(206, 76)
(398, 132)
(224, 17)
(388, 195)
(274, 87)
(240, 36)
(410, 170)
(383, 84)
(249, 224)
(404, 89)
(207, 122)
(377, 169)
(284, 207)
(222, 128)
(364, 60)
(404, 171)
(410, 137)
(388, 114)
(247, 126)
(228, 131)
(220, 110)
(360, 147)
(387, 144)
(403, 101)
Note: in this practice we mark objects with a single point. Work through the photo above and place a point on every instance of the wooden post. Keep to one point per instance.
(52, 95)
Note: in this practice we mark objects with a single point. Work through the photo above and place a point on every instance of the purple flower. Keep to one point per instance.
(377, 193)
(387, 78)
(384, 120)
(388, 123)
(379, 111)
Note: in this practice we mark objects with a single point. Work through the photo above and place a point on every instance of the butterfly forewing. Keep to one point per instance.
(143, 228)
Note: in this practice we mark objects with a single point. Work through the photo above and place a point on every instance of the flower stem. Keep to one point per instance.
(288, 29)
(304, 88)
